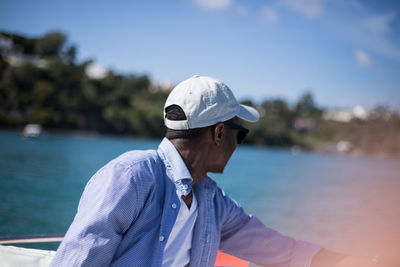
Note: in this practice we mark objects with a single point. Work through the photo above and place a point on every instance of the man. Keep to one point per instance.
(159, 208)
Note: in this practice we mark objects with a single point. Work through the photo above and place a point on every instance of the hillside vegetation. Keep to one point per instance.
(41, 82)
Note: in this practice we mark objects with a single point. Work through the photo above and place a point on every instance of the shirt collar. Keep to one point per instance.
(175, 167)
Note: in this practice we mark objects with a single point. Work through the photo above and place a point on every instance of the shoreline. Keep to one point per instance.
(294, 149)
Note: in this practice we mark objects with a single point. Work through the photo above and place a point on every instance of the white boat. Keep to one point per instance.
(32, 130)
(12, 256)
(16, 256)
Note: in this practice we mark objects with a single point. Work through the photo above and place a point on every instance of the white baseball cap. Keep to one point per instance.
(205, 101)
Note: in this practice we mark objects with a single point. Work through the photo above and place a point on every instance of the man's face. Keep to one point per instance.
(228, 145)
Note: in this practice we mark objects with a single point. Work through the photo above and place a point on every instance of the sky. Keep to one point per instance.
(345, 52)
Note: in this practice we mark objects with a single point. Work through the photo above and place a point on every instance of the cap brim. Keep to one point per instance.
(248, 113)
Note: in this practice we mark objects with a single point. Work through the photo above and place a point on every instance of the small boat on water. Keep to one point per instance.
(32, 130)
(12, 256)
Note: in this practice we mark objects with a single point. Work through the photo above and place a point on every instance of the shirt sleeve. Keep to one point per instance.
(248, 238)
(106, 210)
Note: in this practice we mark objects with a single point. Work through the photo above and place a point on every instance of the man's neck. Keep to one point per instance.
(195, 164)
(195, 161)
(188, 199)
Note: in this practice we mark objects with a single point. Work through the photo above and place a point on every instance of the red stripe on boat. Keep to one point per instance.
(224, 259)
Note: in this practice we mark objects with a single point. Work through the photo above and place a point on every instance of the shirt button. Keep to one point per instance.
(173, 205)
(161, 238)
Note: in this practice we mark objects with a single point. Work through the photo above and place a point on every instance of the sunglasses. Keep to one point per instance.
(242, 131)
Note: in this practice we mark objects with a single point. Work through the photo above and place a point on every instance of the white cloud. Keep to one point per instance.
(377, 31)
(214, 4)
(362, 58)
(96, 71)
(308, 8)
(361, 25)
(269, 15)
(379, 25)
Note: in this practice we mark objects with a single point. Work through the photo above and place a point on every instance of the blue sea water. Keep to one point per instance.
(349, 204)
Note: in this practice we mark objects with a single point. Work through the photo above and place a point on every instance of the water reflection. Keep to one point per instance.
(350, 204)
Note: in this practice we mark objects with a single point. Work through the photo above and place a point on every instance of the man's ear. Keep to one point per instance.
(218, 133)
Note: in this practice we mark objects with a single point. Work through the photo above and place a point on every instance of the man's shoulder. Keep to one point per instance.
(136, 167)
(218, 193)
(145, 163)
(209, 183)
(211, 186)
(137, 157)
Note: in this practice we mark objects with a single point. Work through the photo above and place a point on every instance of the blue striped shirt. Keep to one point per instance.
(128, 208)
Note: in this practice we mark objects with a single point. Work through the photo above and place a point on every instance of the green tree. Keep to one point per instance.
(306, 107)
(51, 44)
